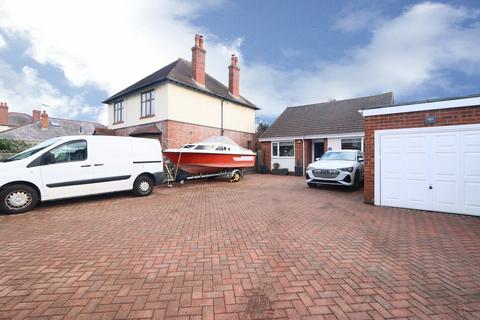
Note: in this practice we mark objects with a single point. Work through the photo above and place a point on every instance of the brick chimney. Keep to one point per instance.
(198, 60)
(44, 117)
(36, 115)
(3, 114)
(234, 77)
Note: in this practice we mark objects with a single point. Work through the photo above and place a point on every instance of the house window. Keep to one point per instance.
(355, 144)
(249, 144)
(283, 149)
(148, 107)
(118, 112)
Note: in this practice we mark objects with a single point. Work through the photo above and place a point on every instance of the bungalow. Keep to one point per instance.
(180, 104)
(303, 133)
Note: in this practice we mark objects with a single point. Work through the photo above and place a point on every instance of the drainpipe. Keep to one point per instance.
(221, 122)
(303, 155)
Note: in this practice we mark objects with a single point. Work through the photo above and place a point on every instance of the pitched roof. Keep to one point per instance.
(18, 119)
(57, 127)
(325, 118)
(180, 72)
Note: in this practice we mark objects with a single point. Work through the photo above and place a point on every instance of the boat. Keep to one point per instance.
(213, 155)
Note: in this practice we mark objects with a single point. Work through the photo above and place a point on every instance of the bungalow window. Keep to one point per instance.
(118, 112)
(148, 106)
(283, 149)
(355, 144)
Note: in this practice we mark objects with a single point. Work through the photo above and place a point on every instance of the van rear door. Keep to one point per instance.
(112, 164)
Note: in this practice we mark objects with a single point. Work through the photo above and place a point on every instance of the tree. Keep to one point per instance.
(261, 128)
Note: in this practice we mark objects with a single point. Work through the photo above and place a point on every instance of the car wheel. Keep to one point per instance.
(18, 198)
(143, 186)
(356, 182)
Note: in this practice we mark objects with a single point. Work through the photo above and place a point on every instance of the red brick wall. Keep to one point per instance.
(3, 114)
(308, 153)
(445, 117)
(266, 148)
(175, 134)
(298, 152)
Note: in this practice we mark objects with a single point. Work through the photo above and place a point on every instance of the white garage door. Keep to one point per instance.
(434, 169)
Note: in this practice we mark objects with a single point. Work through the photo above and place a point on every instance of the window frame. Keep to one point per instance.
(351, 139)
(43, 156)
(147, 104)
(278, 155)
(118, 112)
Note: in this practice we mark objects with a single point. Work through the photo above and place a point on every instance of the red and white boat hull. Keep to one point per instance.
(206, 163)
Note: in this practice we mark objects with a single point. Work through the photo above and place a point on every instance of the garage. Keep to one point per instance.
(435, 169)
(424, 155)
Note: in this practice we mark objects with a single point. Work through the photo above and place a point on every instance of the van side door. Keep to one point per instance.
(66, 170)
(112, 164)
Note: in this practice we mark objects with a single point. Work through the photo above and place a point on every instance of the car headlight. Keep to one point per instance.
(349, 169)
(309, 168)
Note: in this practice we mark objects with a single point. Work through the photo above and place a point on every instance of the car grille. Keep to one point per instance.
(325, 173)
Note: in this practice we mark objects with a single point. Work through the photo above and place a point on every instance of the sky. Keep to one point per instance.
(66, 57)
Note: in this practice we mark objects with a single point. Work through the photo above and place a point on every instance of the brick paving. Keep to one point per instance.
(264, 248)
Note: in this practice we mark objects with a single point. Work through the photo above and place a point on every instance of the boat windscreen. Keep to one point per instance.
(188, 146)
(204, 147)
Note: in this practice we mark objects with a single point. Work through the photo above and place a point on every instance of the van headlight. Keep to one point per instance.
(349, 169)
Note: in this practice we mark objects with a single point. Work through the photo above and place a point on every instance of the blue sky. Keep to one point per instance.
(291, 52)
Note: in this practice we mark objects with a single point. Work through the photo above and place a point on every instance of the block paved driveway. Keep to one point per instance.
(264, 248)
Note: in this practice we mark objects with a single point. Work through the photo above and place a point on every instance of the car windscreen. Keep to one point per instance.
(339, 155)
(31, 151)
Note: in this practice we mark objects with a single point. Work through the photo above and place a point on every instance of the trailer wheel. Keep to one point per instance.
(235, 176)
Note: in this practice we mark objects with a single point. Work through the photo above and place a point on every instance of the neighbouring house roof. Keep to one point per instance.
(180, 72)
(334, 117)
(57, 127)
(18, 119)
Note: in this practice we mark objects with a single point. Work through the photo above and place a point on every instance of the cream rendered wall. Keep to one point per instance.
(132, 105)
(334, 144)
(3, 128)
(187, 105)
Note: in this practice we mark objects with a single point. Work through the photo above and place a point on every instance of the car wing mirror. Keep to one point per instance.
(316, 159)
(361, 159)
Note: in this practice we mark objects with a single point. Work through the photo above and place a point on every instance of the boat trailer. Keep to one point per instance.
(234, 175)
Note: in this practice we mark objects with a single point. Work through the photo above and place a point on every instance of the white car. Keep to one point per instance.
(74, 166)
(337, 167)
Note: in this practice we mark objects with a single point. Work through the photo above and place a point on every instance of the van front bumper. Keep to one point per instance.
(160, 177)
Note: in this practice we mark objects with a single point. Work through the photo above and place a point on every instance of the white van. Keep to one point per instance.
(74, 166)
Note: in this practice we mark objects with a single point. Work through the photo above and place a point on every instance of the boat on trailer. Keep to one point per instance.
(215, 155)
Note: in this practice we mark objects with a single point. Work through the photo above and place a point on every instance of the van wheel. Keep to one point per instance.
(18, 198)
(143, 186)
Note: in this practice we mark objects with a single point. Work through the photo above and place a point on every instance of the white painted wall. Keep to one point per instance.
(175, 102)
(284, 162)
(4, 128)
(334, 144)
(132, 109)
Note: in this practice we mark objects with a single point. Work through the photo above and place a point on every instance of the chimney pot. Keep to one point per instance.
(36, 115)
(198, 60)
(234, 77)
(3, 114)
(44, 120)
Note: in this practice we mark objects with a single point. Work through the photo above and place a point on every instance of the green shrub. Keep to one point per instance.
(12, 146)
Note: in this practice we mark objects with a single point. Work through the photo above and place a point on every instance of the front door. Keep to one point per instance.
(318, 150)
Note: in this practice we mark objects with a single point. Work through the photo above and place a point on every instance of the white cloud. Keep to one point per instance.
(3, 43)
(114, 43)
(25, 91)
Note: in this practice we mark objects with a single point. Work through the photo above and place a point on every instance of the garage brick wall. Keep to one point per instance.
(445, 117)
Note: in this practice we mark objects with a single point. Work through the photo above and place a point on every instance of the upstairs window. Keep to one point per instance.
(148, 106)
(118, 112)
